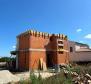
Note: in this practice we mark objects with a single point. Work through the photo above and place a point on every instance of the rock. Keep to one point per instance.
(66, 72)
(75, 74)
(81, 83)
(88, 76)
(89, 81)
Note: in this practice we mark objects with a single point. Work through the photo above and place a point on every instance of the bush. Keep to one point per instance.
(58, 79)
(6, 59)
(24, 82)
(36, 80)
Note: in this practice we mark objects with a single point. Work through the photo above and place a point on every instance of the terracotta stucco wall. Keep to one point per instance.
(23, 54)
(31, 49)
(60, 58)
(34, 47)
(63, 58)
(35, 56)
(39, 45)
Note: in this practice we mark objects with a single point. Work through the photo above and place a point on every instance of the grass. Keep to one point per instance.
(57, 79)
(60, 78)
(24, 82)
(36, 80)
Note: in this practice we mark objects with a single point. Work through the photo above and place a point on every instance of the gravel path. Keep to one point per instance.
(7, 77)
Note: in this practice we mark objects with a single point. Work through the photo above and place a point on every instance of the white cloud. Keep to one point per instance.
(90, 47)
(88, 36)
(13, 47)
(79, 30)
(81, 41)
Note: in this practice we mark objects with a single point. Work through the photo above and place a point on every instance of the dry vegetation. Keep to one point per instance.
(65, 76)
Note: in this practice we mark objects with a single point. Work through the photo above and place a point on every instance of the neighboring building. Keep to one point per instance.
(34, 47)
(79, 52)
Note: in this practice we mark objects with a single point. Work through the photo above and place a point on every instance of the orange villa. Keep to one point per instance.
(36, 49)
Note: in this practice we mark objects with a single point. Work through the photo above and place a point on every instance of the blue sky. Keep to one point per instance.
(70, 17)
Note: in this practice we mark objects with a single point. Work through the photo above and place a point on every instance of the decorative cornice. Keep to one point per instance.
(42, 34)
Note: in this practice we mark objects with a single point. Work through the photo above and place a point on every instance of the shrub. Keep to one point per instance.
(58, 79)
(24, 82)
(36, 80)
